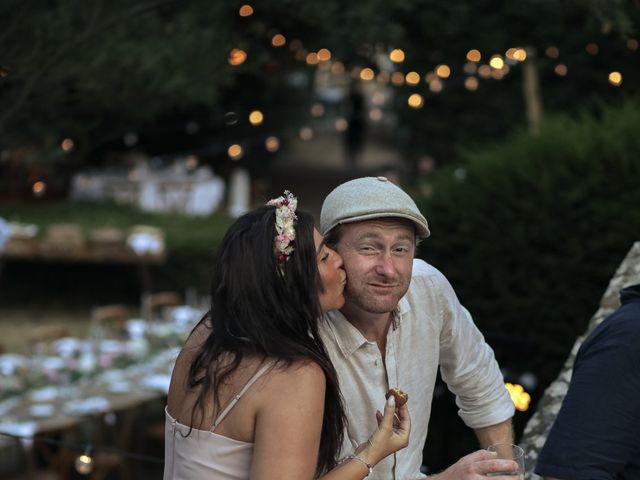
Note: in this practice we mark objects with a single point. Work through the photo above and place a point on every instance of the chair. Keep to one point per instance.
(154, 305)
(109, 321)
(39, 338)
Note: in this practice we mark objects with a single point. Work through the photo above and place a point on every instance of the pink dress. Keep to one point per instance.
(205, 454)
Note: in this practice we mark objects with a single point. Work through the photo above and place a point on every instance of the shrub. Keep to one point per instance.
(535, 229)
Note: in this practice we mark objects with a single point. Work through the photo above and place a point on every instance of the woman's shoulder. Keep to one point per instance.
(298, 371)
(300, 379)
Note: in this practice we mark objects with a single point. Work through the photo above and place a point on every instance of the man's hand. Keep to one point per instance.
(475, 466)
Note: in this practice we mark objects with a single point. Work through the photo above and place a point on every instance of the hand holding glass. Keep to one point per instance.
(507, 451)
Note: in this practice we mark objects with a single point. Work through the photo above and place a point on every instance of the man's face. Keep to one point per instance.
(378, 258)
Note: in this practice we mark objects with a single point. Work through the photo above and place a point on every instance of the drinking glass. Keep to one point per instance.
(508, 451)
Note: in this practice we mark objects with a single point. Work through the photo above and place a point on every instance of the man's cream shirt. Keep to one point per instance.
(431, 329)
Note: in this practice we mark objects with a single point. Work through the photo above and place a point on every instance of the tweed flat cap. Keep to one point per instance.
(367, 198)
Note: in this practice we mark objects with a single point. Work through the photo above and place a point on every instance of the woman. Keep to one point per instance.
(253, 394)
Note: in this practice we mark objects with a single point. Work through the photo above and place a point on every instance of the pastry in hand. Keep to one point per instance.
(401, 397)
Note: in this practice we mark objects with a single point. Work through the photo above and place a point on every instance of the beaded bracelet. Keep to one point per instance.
(368, 465)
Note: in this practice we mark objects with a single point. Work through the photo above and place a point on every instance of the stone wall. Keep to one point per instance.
(538, 427)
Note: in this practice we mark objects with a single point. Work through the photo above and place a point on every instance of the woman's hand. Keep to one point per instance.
(392, 434)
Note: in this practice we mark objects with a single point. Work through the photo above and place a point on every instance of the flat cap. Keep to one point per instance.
(367, 198)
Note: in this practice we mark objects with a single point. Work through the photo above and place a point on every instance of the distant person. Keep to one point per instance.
(356, 123)
(401, 324)
(596, 434)
(253, 394)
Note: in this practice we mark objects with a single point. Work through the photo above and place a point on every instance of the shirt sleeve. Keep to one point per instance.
(468, 365)
(595, 435)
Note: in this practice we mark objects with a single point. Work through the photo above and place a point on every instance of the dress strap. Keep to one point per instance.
(238, 396)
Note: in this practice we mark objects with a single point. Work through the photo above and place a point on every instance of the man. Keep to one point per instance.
(402, 320)
(595, 435)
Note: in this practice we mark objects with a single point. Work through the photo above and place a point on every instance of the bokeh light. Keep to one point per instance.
(474, 55)
(246, 10)
(592, 48)
(521, 399)
(443, 71)
(396, 55)
(615, 79)
(272, 144)
(278, 40)
(561, 70)
(412, 78)
(367, 74)
(237, 56)
(256, 118)
(324, 54)
(306, 133)
(496, 62)
(415, 100)
(471, 83)
(39, 188)
(235, 152)
(67, 145)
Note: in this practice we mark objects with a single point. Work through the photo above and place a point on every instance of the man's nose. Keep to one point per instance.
(385, 265)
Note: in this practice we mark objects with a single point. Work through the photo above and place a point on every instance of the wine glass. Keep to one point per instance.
(508, 451)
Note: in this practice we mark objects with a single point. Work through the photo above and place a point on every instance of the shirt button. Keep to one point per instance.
(383, 179)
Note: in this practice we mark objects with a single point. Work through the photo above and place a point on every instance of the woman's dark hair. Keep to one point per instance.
(260, 309)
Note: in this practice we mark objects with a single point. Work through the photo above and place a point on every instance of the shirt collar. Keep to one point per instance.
(347, 337)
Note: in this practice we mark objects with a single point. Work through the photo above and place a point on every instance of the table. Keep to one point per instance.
(83, 381)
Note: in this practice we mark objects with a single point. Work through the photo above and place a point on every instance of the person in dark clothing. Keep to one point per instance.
(356, 124)
(596, 433)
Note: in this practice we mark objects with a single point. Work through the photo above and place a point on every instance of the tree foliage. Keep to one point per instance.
(93, 70)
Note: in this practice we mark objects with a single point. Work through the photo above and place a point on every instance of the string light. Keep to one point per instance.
(412, 78)
(496, 62)
(552, 52)
(367, 74)
(324, 55)
(435, 85)
(306, 133)
(560, 70)
(443, 71)
(383, 78)
(632, 44)
(237, 56)
(84, 462)
(39, 188)
(278, 40)
(397, 78)
(615, 79)
(520, 54)
(592, 48)
(396, 55)
(67, 145)
(474, 55)
(235, 152)
(256, 118)
(272, 144)
(245, 10)
(415, 100)
(471, 83)
(484, 71)
(312, 58)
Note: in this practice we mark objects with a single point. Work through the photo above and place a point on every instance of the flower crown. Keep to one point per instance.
(285, 217)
